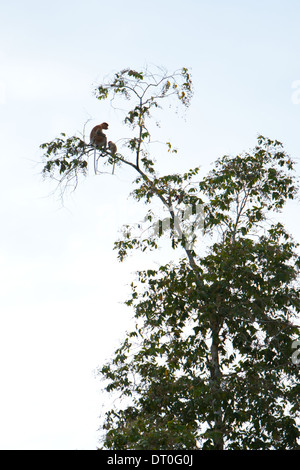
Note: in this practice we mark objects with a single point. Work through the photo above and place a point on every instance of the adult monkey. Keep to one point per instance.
(98, 139)
(97, 136)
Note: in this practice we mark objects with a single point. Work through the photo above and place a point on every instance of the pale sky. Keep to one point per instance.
(61, 285)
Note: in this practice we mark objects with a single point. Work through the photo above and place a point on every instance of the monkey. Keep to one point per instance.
(113, 150)
(98, 140)
(97, 136)
(112, 147)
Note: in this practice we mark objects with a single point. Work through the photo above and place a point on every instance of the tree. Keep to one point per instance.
(208, 364)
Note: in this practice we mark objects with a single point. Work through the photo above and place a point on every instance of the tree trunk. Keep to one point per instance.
(215, 378)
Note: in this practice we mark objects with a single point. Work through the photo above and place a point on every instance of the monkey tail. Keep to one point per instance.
(95, 162)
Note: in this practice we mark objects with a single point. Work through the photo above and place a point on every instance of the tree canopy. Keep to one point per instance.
(208, 364)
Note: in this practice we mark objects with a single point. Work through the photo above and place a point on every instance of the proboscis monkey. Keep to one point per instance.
(97, 136)
(98, 140)
(113, 150)
(112, 147)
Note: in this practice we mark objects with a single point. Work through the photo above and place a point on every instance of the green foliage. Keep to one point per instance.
(251, 300)
(254, 183)
(65, 158)
(212, 360)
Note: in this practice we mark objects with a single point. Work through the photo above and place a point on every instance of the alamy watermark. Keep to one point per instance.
(184, 224)
(296, 94)
(296, 353)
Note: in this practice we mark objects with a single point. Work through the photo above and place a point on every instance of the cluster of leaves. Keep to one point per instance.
(65, 158)
(178, 83)
(179, 196)
(254, 182)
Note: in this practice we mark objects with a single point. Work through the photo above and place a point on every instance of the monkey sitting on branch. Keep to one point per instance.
(98, 140)
(113, 150)
(97, 137)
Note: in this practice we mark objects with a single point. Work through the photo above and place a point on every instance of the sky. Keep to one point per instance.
(61, 286)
